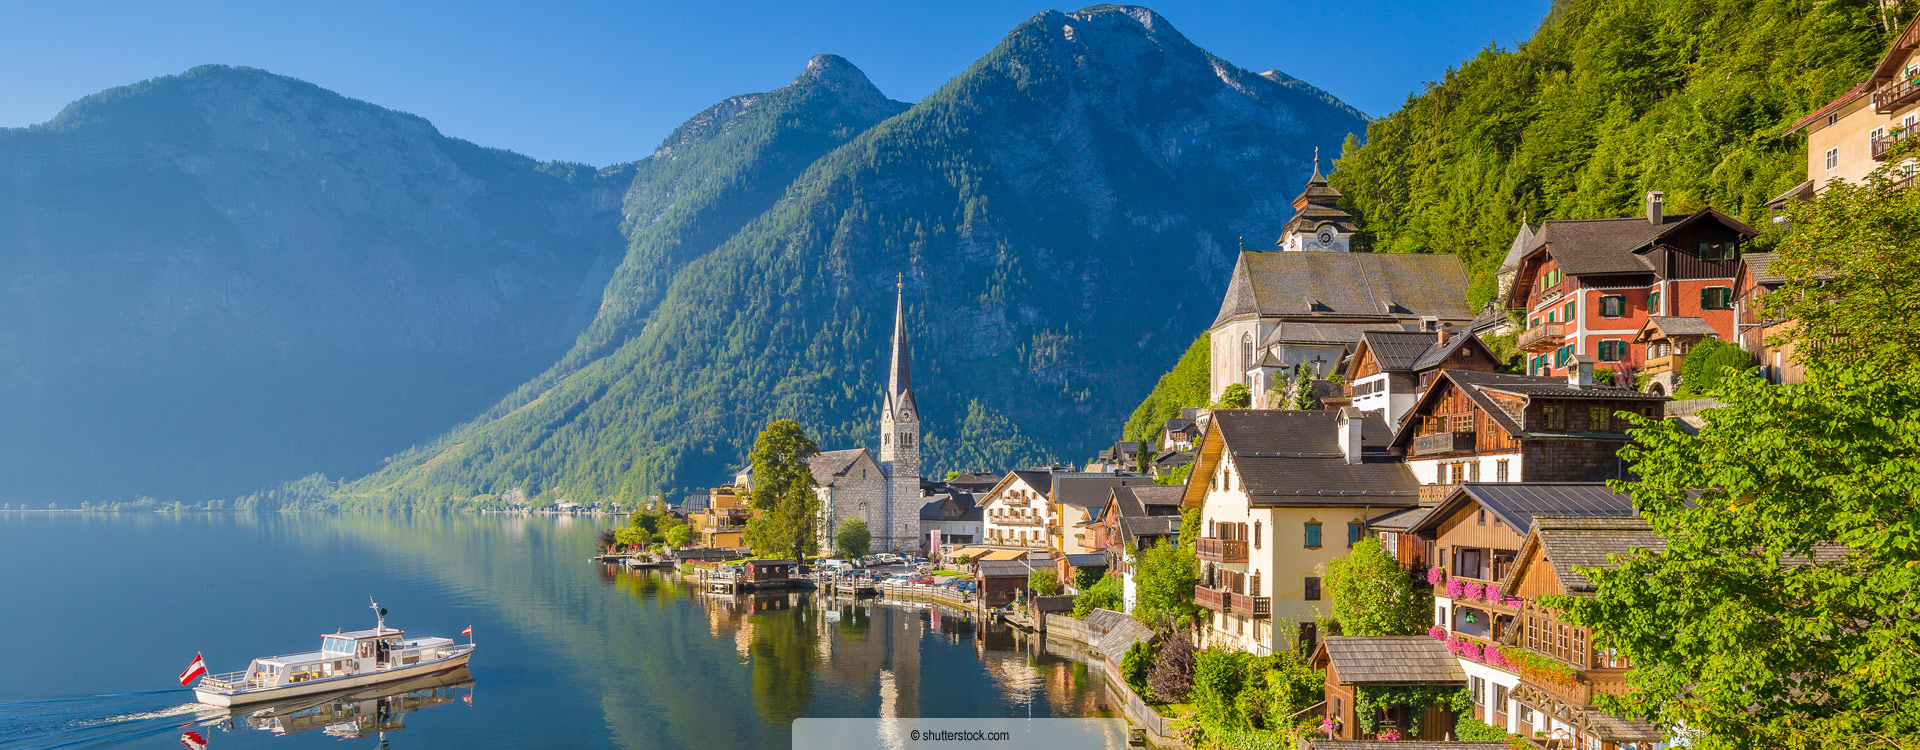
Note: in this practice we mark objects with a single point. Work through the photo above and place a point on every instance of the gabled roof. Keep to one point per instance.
(1565, 545)
(1886, 70)
(1091, 491)
(830, 466)
(1761, 265)
(1478, 385)
(1399, 520)
(1524, 241)
(1294, 458)
(1397, 350)
(1517, 503)
(1670, 326)
(969, 511)
(1438, 353)
(1133, 528)
(1389, 659)
(1608, 246)
(1087, 560)
(1382, 286)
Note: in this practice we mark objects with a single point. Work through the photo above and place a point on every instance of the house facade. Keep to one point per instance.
(1473, 426)
(954, 516)
(1136, 517)
(1018, 511)
(1353, 663)
(1759, 332)
(1666, 341)
(722, 524)
(1854, 134)
(1075, 501)
(1586, 287)
(1281, 494)
(1389, 369)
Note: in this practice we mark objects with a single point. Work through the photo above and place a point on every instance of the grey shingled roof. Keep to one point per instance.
(1387, 286)
(828, 466)
(1399, 520)
(1008, 568)
(1087, 560)
(1682, 326)
(1132, 529)
(1437, 354)
(970, 511)
(1091, 491)
(1761, 265)
(1040, 481)
(1294, 458)
(1121, 635)
(1398, 350)
(1391, 659)
(1517, 503)
(1570, 543)
(1603, 246)
(1476, 384)
(1313, 332)
(1105, 619)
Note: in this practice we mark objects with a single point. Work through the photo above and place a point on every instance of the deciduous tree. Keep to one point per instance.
(783, 492)
(853, 539)
(1372, 595)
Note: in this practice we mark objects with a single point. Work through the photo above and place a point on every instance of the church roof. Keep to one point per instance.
(829, 466)
(1346, 286)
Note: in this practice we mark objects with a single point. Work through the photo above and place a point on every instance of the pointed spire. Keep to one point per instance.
(1316, 165)
(899, 373)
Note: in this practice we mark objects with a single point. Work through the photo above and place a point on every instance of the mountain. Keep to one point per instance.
(222, 279)
(1608, 100)
(1062, 216)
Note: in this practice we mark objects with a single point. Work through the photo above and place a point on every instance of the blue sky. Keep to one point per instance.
(604, 82)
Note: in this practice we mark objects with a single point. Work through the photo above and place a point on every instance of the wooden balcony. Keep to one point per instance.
(1011, 519)
(1221, 550)
(1545, 337)
(1671, 362)
(1250, 606)
(1882, 146)
(1213, 599)
(1432, 494)
(1442, 443)
(1891, 97)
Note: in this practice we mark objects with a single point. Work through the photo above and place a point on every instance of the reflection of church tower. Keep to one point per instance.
(899, 527)
(1318, 224)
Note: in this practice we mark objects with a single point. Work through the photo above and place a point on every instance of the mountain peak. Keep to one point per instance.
(836, 73)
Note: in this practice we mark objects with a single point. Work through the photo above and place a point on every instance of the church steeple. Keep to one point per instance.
(899, 372)
(900, 441)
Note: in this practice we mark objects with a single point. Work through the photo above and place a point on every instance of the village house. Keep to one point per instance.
(722, 523)
(1585, 287)
(1018, 511)
(1168, 462)
(1389, 369)
(1474, 426)
(1281, 494)
(1855, 133)
(1559, 703)
(977, 483)
(1180, 432)
(1124, 456)
(1475, 536)
(1075, 499)
(1666, 341)
(1309, 301)
(954, 516)
(1758, 332)
(1134, 519)
(1356, 663)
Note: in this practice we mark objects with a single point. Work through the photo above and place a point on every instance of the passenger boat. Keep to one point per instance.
(346, 660)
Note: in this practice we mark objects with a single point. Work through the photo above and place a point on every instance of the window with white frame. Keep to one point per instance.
(1833, 158)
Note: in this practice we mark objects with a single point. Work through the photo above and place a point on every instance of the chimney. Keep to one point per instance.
(1580, 373)
(1656, 207)
(1347, 429)
(1446, 332)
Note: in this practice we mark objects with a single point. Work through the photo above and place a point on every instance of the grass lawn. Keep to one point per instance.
(950, 573)
(1173, 710)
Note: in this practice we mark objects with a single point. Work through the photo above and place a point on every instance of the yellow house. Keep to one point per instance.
(1281, 494)
(723, 523)
(1852, 135)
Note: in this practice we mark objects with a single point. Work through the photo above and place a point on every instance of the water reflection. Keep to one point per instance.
(364, 712)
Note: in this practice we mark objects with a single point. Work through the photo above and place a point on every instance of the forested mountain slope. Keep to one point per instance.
(226, 278)
(1610, 99)
(1064, 215)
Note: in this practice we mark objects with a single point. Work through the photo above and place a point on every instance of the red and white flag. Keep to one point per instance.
(468, 631)
(197, 668)
(193, 740)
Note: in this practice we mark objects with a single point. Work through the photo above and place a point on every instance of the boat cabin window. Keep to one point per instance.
(366, 650)
(336, 645)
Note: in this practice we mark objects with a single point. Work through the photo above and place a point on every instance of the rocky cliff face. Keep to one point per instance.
(218, 280)
(1064, 215)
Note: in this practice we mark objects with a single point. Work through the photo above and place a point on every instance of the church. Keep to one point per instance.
(885, 493)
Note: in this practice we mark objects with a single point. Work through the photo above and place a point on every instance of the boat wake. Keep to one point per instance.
(99, 719)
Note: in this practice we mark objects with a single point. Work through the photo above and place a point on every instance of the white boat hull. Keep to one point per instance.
(214, 697)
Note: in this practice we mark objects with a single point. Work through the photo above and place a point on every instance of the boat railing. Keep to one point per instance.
(230, 681)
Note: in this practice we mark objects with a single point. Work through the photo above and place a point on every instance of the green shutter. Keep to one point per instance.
(1313, 535)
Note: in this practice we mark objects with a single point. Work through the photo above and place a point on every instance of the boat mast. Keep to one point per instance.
(379, 616)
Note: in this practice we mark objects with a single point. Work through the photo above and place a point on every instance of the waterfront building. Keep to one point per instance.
(1585, 287)
(955, 516)
(1134, 519)
(1352, 663)
(1281, 494)
(721, 523)
(1309, 301)
(1075, 499)
(885, 491)
(1017, 512)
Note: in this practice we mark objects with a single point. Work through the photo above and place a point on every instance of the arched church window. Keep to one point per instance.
(1246, 351)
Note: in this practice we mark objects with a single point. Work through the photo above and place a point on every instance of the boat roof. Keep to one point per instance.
(365, 633)
(300, 658)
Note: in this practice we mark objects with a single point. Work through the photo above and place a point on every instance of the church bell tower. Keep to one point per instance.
(900, 442)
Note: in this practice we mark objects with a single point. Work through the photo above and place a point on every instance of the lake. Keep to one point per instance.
(103, 611)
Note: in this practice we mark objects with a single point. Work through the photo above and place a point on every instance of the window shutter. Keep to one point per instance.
(1706, 295)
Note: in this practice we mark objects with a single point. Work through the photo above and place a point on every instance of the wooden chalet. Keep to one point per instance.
(1355, 663)
(1667, 340)
(1388, 369)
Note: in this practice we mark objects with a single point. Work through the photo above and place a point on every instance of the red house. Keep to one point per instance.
(1587, 286)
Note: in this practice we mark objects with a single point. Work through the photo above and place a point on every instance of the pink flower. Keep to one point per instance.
(1438, 633)
(1493, 592)
(1391, 735)
(1456, 588)
(1474, 591)
(1435, 575)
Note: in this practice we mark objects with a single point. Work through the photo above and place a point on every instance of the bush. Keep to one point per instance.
(1171, 679)
(1103, 595)
(1043, 583)
(1236, 396)
(1135, 665)
(1469, 729)
(1707, 364)
(1218, 675)
(1371, 594)
(1088, 576)
(1292, 686)
(853, 539)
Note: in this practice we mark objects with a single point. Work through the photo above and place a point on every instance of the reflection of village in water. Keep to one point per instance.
(361, 713)
(800, 640)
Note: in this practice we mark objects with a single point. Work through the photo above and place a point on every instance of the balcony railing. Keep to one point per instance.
(1883, 145)
(1213, 599)
(1221, 550)
(1443, 442)
(1543, 337)
(1432, 494)
(1663, 364)
(1893, 96)
(1250, 606)
(1010, 519)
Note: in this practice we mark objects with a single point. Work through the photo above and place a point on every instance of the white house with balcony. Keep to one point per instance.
(1018, 511)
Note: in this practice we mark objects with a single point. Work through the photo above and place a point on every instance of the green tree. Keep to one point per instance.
(1103, 594)
(1853, 278)
(1708, 363)
(1236, 396)
(1372, 595)
(1043, 583)
(783, 492)
(1218, 677)
(1163, 579)
(853, 539)
(1185, 386)
(679, 536)
(1088, 576)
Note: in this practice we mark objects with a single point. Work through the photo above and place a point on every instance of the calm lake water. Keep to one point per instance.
(102, 611)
